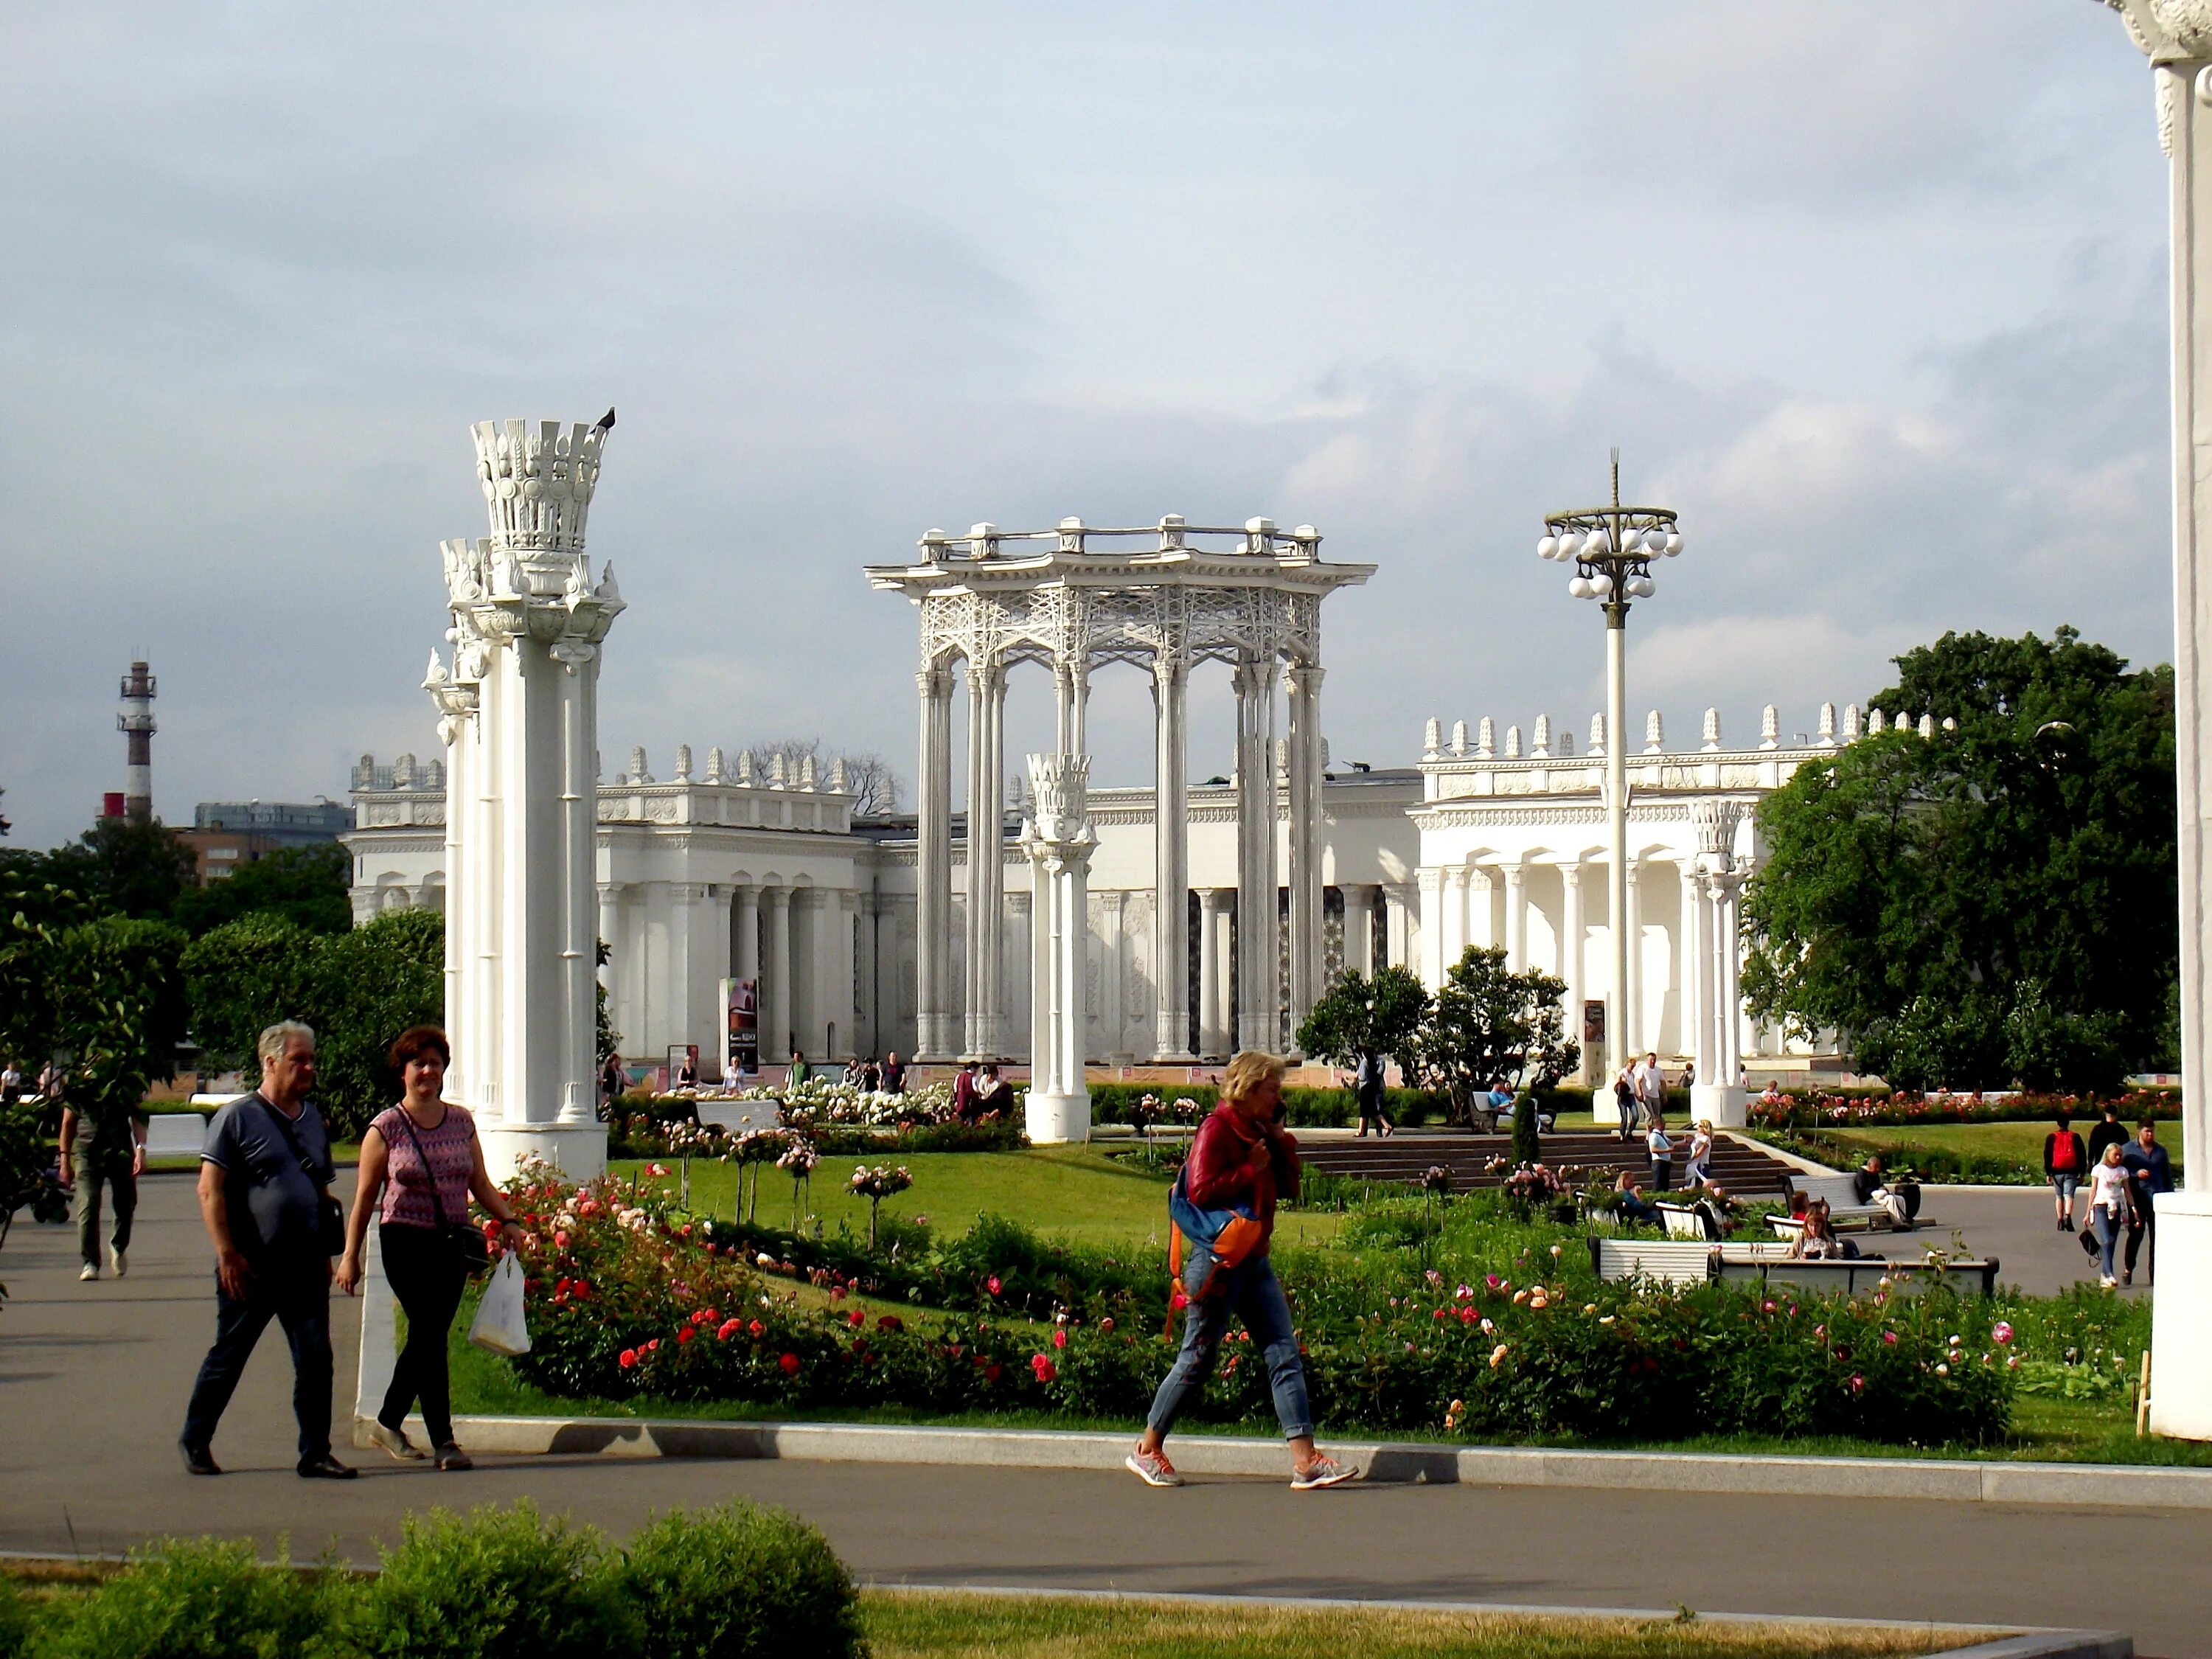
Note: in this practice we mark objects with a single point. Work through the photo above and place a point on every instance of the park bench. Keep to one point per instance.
(1845, 1210)
(1669, 1260)
(175, 1134)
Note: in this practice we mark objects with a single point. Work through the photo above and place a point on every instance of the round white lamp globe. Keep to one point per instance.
(1601, 584)
(1579, 587)
(1674, 544)
(1548, 548)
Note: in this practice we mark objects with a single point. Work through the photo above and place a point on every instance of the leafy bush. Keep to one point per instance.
(18, 1619)
(203, 1598)
(1839, 1108)
(739, 1582)
(497, 1583)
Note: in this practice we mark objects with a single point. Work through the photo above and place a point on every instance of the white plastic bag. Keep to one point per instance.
(499, 1325)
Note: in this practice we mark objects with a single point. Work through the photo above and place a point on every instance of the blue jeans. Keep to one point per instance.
(298, 1297)
(2107, 1228)
(1254, 1295)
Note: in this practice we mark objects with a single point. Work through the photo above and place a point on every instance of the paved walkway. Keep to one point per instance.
(92, 1379)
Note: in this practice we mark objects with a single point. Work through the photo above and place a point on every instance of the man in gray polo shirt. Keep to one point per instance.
(265, 1173)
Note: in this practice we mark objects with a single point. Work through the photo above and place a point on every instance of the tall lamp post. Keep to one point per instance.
(1612, 548)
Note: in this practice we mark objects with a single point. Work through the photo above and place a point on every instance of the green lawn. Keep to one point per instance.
(923, 1625)
(1076, 1193)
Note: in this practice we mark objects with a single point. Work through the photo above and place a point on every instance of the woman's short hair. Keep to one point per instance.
(1250, 1073)
(416, 1042)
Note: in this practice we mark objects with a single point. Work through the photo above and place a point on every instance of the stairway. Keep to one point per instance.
(1742, 1166)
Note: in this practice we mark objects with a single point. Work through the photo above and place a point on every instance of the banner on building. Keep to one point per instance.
(741, 1041)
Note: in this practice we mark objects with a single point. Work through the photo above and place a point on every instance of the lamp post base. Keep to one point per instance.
(2180, 1336)
(1721, 1103)
(579, 1151)
(1056, 1120)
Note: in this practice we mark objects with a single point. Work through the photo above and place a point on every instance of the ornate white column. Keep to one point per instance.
(745, 926)
(1481, 925)
(833, 953)
(1171, 1038)
(1398, 923)
(1359, 927)
(1515, 875)
(1258, 934)
(1694, 957)
(1572, 925)
(1716, 1094)
(1058, 839)
(987, 792)
(933, 1036)
(528, 621)
(458, 729)
(1212, 972)
(1021, 948)
(1303, 790)
(1631, 993)
(1434, 886)
(867, 907)
(777, 1009)
(2178, 36)
(1452, 914)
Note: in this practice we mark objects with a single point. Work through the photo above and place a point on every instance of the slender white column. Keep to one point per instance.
(1360, 928)
(1434, 886)
(1517, 916)
(986, 1037)
(745, 925)
(1020, 956)
(1171, 1038)
(1452, 937)
(932, 869)
(1692, 965)
(776, 976)
(1071, 701)
(1114, 950)
(866, 910)
(1481, 924)
(1728, 962)
(1399, 924)
(1302, 791)
(1058, 840)
(459, 729)
(1632, 990)
(1212, 972)
(1572, 926)
(1258, 933)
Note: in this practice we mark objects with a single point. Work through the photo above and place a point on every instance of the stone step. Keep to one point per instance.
(1738, 1166)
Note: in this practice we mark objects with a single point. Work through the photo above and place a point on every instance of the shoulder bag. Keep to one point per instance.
(468, 1244)
(329, 1218)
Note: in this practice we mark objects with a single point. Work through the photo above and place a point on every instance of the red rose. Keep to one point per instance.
(1059, 1339)
(1042, 1364)
(756, 1328)
(890, 1323)
(992, 1373)
(790, 1364)
(992, 1284)
(683, 1336)
(729, 1328)
(857, 1318)
(628, 1358)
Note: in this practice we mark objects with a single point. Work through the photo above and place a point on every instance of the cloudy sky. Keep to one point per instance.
(1873, 293)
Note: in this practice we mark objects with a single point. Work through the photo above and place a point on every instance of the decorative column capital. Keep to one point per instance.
(2168, 31)
(933, 682)
(1305, 678)
(1570, 876)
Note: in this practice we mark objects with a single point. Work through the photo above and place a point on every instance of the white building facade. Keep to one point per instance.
(1487, 840)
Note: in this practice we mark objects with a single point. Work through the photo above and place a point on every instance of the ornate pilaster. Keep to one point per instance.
(986, 700)
(1214, 1022)
(1258, 936)
(933, 867)
(1572, 927)
(1302, 786)
(1171, 1039)
(1058, 840)
(1714, 953)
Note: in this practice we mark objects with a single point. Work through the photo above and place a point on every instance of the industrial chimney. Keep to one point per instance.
(136, 722)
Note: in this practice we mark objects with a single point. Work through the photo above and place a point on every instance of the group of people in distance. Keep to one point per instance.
(2124, 1178)
(980, 1094)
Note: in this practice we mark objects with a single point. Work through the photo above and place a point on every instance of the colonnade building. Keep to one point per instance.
(1493, 836)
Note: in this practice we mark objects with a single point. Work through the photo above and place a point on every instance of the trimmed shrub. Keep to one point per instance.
(198, 1599)
(494, 1584)
(739, 1582)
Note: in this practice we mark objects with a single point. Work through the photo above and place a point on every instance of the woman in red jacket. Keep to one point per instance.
(1242, 1156)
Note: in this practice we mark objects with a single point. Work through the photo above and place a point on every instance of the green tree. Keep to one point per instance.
(1358, 1015)
(243, 975)
(1997, 901)
(308, 885)
(108, 993)
(1487, 1022)
(124, 868)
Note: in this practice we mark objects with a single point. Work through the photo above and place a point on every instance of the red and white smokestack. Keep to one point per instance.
(136, 722)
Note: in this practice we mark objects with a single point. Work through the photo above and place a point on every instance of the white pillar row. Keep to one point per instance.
(1399, 925)
(1517, 916)
(1212, 971)
(986, 1037)
(775, 978)
(867, 979)
(1020, 947)
(1435, 888)
(1571, 927)
(933, 1036)
(1171, 1036)
(1359, 927)
(1694, 964)
(1452, 915)
(1302, 787)
(1632, 994)
(1258, 936)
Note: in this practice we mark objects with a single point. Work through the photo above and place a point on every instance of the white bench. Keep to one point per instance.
(1860, 1275)
(1682, 1221)
(1669, 1260)
(1845, 1209)
(175, 1134)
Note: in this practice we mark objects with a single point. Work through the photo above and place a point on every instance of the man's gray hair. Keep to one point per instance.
(271, 1046)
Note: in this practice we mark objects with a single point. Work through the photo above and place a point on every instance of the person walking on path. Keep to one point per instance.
(2109, 1207)
(800, 1073)
(265, 1175)
(1698, 1168)
(1651, 1089)
(1367, 1090)
(11, 1085)
(964, 1089)
(2150, 1172)
(103, 1140)
(894, 1075)
(1662, 1154)
(1624, 1103)
(2109, 1132)
(1240, 1157)
(2065, 1161)
(420, 1162)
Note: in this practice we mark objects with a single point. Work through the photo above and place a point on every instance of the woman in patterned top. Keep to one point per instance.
(420, 1161)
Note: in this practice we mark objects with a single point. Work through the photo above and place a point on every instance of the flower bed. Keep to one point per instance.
(633, 1297)
(1817, 1109)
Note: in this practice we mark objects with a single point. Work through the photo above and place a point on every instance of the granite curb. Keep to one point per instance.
(2105, 1485)
(2007, 1641)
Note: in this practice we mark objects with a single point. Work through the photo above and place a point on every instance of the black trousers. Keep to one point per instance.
(2141, 1227)
(296, 1293)
(426, 1275)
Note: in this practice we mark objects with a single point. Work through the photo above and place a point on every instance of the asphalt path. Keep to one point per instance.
(93, 1377)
